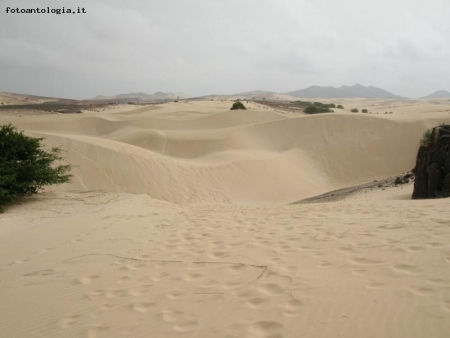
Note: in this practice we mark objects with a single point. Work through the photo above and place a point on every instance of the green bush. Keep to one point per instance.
(365, 111)
(24, 167)
(238, 105)
(354, 110)
(426, 138)
(317, 110)
(339, 106)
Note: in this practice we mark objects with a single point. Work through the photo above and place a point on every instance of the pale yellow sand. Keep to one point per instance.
(176, 225)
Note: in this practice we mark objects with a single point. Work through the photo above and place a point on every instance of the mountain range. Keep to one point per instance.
(344, 91)
(440, 94)
(142, 96)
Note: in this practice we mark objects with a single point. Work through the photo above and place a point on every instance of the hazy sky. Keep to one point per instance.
(203, 47)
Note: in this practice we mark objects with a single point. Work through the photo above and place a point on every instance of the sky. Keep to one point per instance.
(201, 47)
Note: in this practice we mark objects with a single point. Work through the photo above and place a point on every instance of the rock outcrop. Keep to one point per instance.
(432, 170)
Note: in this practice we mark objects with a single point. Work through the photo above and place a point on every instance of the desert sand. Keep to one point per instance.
(178, 223)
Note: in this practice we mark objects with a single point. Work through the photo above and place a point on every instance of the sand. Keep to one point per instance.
(178, 224)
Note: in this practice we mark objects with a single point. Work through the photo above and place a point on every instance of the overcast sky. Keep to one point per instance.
(201, 47)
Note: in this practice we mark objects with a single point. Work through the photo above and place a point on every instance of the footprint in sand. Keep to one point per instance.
(255, 303)
(171, 315)
(265, 329)
(376, 285)
(69, 321)
(116, 293)
(158, 276)
(439, 282)
(175, 295)
(423, 291)
(88, 279)
(19, 261)
(184, 327)
(270, 289)
(364, 261)
(44, 250)
(217, 255)
(98, 331)
(408, 269)
(123, 279)
(293, 308)
(139, 290)
(191, 276)
(142, 307)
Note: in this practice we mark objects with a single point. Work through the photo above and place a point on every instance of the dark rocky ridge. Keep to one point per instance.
(432, 170)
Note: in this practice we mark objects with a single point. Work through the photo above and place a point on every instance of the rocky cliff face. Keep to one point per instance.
(432, 168)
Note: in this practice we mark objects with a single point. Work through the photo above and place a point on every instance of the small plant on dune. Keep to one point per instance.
(365, 111)
(426, 138)
(339, 106)
(24, 167)
(238, 105)
(354, 110)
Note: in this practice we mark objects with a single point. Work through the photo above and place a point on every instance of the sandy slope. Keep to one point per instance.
(176, 225)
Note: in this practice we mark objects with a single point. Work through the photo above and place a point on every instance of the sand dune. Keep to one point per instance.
(176, 224)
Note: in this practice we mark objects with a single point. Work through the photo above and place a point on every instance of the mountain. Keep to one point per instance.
(440, 94)
(344, 91)
(141, 96)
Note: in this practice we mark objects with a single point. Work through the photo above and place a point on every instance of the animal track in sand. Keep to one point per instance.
(408, 269)
(266, 329)
(88, 279)
(185, 326)
(69, 321)
(142, 307)
(270, 289)
(364, 261)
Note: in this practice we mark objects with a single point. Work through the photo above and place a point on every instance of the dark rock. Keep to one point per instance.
(433, 166)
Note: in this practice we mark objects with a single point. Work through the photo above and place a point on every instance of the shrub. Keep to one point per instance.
(339, 106)
(426, 138)
(238, 105)
(317, 110)
(354, 110)
(24, 167)
(365, 111)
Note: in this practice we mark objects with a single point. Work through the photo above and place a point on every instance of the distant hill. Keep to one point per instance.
(344, 91)
(141, 96)
(21, 99)
(440, 94)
